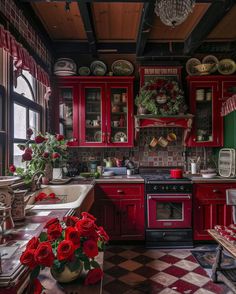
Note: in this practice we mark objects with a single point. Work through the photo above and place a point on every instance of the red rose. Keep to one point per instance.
(73, 235)
(27, 258)
(65, 250)
(28, 150)
(12, 168)
(29, 132)
(39, 139)
(40, 196)
(90, 248)
(70, 220)
(33, 243)
(93, 276)
(59, 137)
(87, 215)
(54, 220)
(27, 156)
(103, 234)
(55, 155)
(37, 286)
(85, 226)
(54, 231)
(43, 254)
(52, 195)
(45, 154)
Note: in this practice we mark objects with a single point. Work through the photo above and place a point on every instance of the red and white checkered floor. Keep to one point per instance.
(136, 270)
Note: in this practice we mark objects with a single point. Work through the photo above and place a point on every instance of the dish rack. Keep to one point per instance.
(226, 163)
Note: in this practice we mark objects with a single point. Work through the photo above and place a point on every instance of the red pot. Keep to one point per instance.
(176, 173)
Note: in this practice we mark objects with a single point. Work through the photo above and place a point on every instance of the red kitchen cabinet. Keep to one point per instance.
(102, 110)
(205, 105)
(210, 208)
(119, 208)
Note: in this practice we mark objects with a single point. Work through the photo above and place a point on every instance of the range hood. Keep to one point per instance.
(173, 121)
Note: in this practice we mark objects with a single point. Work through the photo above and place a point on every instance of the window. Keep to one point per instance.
(27, 112)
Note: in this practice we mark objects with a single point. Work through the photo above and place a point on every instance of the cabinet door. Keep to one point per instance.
(66, 94)
(108, 216)
(208, 124)
(132, 219)
(120, 115)
(228, 88)
(92, 115)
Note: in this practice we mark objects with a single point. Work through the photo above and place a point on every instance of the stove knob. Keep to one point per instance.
(155, 188)
(182, 188)
(163, 188)
(174, 188)
(167, 188)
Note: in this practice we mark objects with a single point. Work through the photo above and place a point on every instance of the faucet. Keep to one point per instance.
(36, 185)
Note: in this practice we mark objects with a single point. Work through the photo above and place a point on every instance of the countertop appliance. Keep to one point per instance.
(168, 204)
(226, 163)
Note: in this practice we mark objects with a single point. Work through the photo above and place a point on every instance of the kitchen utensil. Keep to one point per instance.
(193, 168)
(171, 137)
(122, 68)
(108, 162)
(118, 162)
(190, 66)
(226, 162)
(211, 59)
(176, 173)
(162, 142)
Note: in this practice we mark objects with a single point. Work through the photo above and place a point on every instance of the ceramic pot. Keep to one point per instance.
(176, 173)
(67, 275)
(48, 171)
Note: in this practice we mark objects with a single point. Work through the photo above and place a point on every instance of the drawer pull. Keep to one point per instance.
(120, 191)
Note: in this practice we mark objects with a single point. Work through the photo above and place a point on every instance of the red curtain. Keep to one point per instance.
(22, 59)
(228, 106)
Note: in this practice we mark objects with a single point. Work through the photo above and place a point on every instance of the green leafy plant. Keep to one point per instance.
(44, 149)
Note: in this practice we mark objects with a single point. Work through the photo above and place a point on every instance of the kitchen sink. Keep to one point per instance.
(67, 196)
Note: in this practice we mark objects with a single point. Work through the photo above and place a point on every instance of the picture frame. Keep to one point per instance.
(148, 73)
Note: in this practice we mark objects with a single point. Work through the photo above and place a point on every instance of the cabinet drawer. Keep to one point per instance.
(120, 190)
(212, 191)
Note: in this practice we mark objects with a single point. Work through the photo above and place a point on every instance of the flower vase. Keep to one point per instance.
(48, 171)
(57, 173)
(67, 275)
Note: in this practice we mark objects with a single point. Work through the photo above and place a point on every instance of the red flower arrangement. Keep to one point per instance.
(72, 242)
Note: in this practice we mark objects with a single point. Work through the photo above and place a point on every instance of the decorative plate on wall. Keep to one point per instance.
(190, 66)
(226, 67)
(65, 67)
(84, 71)
(98, 68)
(211, 59)
(122, 68)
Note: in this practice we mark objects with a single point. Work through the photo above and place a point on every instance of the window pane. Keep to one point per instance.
(17, 159)
(34, 121)
(19, 122)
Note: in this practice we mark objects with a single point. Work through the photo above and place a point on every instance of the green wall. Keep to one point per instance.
(230, 130)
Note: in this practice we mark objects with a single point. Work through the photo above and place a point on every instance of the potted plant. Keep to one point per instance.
(67, 248)
(145, 102)
(41, 155)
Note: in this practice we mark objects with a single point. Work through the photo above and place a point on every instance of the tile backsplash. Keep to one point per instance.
(175, 154)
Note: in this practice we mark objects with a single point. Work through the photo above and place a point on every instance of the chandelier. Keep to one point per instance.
(173, 12)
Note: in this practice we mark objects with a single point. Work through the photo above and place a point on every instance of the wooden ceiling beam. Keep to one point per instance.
(86, 15)
(108, 1)
(145, 27)
(217, 10)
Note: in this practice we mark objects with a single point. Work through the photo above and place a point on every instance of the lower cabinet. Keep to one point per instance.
(119, 208)
(210, 208)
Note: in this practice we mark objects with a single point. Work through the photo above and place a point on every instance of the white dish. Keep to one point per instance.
(108, 174)
(209, 176)
(7, 180)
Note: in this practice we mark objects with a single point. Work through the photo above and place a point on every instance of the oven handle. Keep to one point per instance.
(176, 196)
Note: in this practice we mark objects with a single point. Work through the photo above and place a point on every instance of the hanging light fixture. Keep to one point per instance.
(173, 12)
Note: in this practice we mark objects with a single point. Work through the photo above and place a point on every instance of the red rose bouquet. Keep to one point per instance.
(73, 243)
(44, 149)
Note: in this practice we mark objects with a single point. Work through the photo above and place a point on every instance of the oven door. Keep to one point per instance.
(169, 211)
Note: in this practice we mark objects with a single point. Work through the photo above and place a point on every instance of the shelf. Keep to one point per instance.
(93, 112)
(98, 127)
(93, 102)
(119, 113)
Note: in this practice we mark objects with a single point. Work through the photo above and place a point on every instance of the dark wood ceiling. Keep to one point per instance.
(133, 27)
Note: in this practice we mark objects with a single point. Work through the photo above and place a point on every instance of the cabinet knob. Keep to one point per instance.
(215, 191)
(120, 191)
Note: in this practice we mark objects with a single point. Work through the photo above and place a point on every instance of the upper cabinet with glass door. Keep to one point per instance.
(102, 110)
(205, 105)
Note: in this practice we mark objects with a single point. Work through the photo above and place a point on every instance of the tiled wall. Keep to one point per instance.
(143, 155)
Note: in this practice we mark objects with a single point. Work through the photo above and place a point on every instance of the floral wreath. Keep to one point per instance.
(164, 97)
